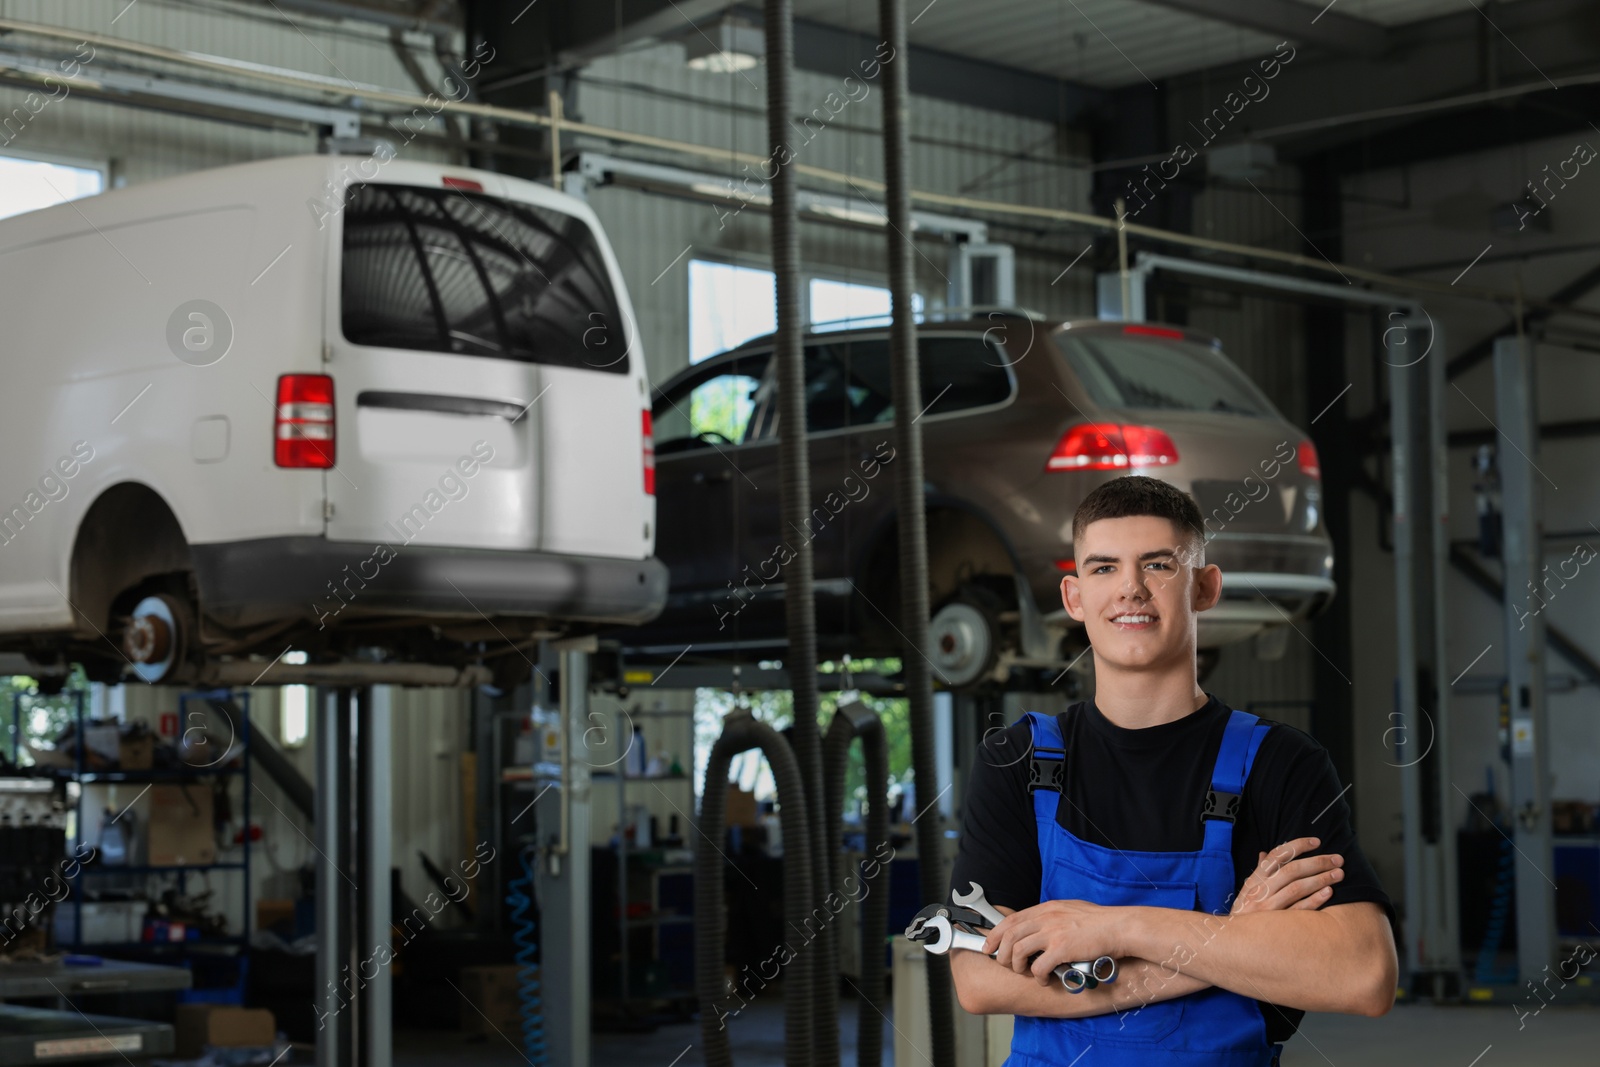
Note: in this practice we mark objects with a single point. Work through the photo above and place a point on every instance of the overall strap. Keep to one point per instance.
(1240, 740)
(1047, 761)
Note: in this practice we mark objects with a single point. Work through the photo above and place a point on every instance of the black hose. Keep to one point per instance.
(857, 720)
(794, 463)
(741, 732)
(909, 504)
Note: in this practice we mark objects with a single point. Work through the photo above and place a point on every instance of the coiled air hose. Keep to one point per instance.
(852, 720)
(910, 502)
(740, 732)
(794, 466)
(519, 894)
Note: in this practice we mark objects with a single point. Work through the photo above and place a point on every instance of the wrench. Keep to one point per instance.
(973, 898)
(947, 935)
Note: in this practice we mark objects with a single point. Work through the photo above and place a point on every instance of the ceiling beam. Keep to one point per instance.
(597, 30)
(1292, 21)
(1454, 74)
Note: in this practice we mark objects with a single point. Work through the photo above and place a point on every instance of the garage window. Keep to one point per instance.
(31, 184)
(444, 270)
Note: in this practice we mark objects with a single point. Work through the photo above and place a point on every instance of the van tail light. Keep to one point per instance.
(303, 429)
(649, 456)
(1310, 465)
(1109, 446)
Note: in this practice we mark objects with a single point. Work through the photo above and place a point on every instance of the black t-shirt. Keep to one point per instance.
(1143, 790)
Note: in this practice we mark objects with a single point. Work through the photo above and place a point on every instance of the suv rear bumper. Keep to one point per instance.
(247, 583)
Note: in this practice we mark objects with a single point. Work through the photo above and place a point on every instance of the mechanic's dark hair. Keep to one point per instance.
(1135, 494)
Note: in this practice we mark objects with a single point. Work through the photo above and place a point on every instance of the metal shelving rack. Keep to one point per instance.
(655, 920)
(82, 775)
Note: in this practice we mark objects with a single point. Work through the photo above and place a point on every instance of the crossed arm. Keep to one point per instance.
(1275, 945)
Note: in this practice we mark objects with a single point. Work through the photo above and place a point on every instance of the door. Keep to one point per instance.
(472, 407)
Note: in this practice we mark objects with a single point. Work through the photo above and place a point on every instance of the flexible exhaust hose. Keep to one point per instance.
(794, 462)
(909, 504)
(851, 721)
(741, 732)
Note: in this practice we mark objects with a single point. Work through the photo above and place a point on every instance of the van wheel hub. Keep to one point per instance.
(153, 639)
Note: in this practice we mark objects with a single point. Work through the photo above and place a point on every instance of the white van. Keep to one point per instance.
(318, 403)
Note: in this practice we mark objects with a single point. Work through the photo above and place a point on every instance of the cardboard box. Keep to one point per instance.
(181, 825)
(277, 916)
(138, 753)
(200, 1025)
(493, 1006)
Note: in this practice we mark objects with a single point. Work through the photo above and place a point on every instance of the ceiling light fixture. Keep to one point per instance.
(728, 46)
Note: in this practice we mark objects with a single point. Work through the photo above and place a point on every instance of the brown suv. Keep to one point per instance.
(1023, 417)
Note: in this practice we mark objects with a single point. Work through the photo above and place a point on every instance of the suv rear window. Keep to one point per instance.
(444, 270)
(1122, 371)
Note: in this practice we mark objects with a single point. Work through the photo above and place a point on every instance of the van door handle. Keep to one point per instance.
(702, 478)
(453, 405)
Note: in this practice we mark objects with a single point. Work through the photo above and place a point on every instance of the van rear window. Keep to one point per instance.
(1122, 371)
(444, 270)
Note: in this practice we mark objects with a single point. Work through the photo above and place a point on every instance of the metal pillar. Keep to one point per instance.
(1523, 540)
(562, 881)
(1420, 724)
(335, 1034)
(372, 788)
(353, 1007)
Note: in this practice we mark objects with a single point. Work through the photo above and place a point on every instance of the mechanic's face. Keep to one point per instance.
(1137, 592)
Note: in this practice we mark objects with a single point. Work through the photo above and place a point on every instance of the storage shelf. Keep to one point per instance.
(172, 774)
(164, 867)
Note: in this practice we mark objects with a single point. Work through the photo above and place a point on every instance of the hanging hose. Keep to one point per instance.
(910, 504)
(1505, 879)
(853, 720)
(794, 464)
(740, 732)
(519, 894)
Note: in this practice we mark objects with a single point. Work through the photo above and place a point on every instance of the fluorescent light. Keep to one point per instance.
(728, 46)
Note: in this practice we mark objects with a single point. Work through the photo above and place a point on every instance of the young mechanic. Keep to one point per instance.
(1153, 801)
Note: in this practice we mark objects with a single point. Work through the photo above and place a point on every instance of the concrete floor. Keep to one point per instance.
(1413, 1035)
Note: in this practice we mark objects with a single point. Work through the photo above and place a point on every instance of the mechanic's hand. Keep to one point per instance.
(1039, 939)
(1281, 882)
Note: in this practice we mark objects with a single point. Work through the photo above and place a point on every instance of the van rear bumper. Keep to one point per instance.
(246, 583)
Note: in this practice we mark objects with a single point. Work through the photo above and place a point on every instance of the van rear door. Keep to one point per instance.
(484, 394)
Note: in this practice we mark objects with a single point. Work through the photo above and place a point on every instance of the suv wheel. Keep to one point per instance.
(963, 637)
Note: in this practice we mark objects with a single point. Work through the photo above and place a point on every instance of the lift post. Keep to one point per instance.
(1419, 735)
(353, 1006)
(1521, 548)
(562, 881)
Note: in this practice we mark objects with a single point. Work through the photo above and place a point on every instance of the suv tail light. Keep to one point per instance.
(649, 455)
(303, 432)
(1108, 446)
(1309, 464)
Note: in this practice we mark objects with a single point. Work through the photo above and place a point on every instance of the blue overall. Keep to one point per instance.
(1213, 1026)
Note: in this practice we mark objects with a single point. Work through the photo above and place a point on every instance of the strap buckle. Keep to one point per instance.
(1047, 773)
(1220, 806)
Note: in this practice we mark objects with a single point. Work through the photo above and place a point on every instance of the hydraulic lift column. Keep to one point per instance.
(563, 882)
(353, 1012)
(1419, 734)
(1523, 545)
